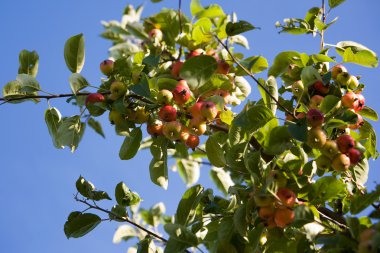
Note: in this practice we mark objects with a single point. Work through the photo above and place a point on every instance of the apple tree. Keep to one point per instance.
(291, 166)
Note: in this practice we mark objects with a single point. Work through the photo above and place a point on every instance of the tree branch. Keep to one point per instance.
(324, 21)
(255, 79)
(180, 27)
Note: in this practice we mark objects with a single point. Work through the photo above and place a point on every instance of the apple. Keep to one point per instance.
(278, 178)
(138, 115)
(154, 128)
(354, 155)
(358, 124)
(316, 101)
(345, 142)
(223, 68)
(341, 162)
(195, 110)
(323, 162)
(283, 217)
(263, 200)
(212, 52)
(350, 100)
(194, 53)
(298, 88)
(181, 94)
(185, 133)
(336, 70)
(168, 113)
(352, 82)
(176, 68)
(172, 130)
(287, 197)
(115, 117)
(117, 90)
(94, 98)
(197, 126)
(192, 141)
(316, 138)
(330, 149)
(361, 102)
(267, 212)
(106, 67)
(222, 93)
(321, 88)
(315, 118)
(156, 34)
(343, 78)
(209, 110)
(164, 97)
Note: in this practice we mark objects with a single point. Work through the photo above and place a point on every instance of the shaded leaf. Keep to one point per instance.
(78, 224)
(53, 121)
(238, 27)
(74, 53)
(77, 82)
(131, 144)
(70, 132)
(187, 206)
(94, 124)
(29, 61)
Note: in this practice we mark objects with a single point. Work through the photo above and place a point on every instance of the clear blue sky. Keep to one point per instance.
(37, 181)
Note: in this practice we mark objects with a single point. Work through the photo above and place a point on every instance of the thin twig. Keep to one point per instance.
(255, 79)
(324, 21)
(180, 27)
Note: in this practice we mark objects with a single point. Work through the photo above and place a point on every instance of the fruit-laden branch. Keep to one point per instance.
(254, 78)
(126, 219)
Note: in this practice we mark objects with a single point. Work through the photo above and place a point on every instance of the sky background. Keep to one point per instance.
(37, 181)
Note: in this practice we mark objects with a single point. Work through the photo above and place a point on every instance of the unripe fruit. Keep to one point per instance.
(358, 124)
(266, 212)
(350, 100)
(315, 101)
(185, 133)
(156, 33)
(315, 118)
(117, 90)
(115, 117)
(294, 71)
(192, 141)
(278, 178)
(361, 102)
(345, 142)
(352, 82)
(316, 138)
(224, 94)
(321, 88)
(209, 110)
(298, 88)
(197, 126)
(343, 78)
(155, 128)
(106, 67)
(223, 68)
(94, 98)
(323, 162)
(172, 130)
(287, 197)
(354, 155)
(164, 97)
(138, 116)
(176, 68)
(330, 149)
(283, 217)
(336, 70)
(181, 94)
(341, 162)
(262, 200)
(195, 110)
(168, 113)
(183, 82)
(194, 53)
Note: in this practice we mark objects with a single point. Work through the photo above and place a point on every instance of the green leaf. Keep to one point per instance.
(142, 88)
(309, 75)
(124, 196)
(303, 215)
(361, 202)
(368, 134)
(28, 83)
(175, 246)
(202, 31)
(298, 131)
(131, 144)
(14, 89)
(188, 170)
(198, 70)
(29, 61)
(214, 150)
(369, 113)
(74, 53)
(329, 103)
(158, 167)
(240, 221)
(360, 171)
(278, 141)
(77, 82)
(321, 58)
(211, 11)
(357, 53)
(195, 7)
(186, 209)
(181, 234)
(238, 27)
(87, 189)
(53, 121)
(94, 124)
(335, 3)
(254, 235)
(79, 224)
(146, 246)
(281, 63)
(243, 87)
(70, 132)
(271, 86)
(124, 233)
(222, 179)
(326, 189)
(255, 64)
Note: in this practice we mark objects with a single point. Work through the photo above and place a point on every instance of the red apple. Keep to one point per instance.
(223, 68)
(209, 110)
(341, 162)
(315, 118)
(336, 70)
(106, 67)
(94, 98)
(194, 53)
(354, 155)
(181, 94)
(345, 142)
(350, 100)
(321, 88)
(168, 113)
(176, 68)
(155, 34)
(192, 141)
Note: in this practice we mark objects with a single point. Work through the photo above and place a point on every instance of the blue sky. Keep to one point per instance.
(37, 181)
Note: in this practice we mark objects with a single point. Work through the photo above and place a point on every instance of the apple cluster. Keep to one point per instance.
(277, 211)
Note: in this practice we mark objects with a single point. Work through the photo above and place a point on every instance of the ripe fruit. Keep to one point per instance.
(209, 110)
(354, 155)
(168, 113)
(181, 94)
(185, 133)
(212, 52)
(283, 217)
(352, 82)
(117, 90)
(298, 88)
(192, 141)
(176, 68)
(156, 34)
(164, 97)
(315, 101)
(106, 67)
(336, 70)
(321, 88)
(266, 212)
(343, 78)
(194, 53)
(223, 93)
(361, 102)
(316, 138)
(350, 100)
(315, 118)
(358, 124)
(115, 117)
(345, 142)
(197, 126)
(323, 162)
(287, 197)
(262, 200)
(172, 130)
(341, 162)
(195, 110)
(94, 98)
(223, 68)
(330, 149)
(154, 128)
